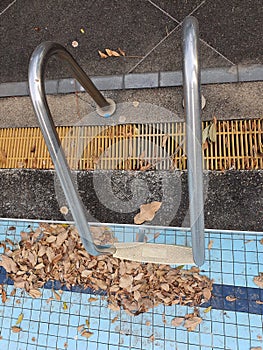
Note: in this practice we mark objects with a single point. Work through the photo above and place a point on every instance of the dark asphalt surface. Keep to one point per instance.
(232, 28)
(233, 201)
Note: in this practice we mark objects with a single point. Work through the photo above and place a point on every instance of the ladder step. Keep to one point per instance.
(154, 253)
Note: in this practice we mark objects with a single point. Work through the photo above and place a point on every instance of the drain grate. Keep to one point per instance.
(238, 145)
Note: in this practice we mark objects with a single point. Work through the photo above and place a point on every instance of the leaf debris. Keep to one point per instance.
(147, 212)
(134, 286)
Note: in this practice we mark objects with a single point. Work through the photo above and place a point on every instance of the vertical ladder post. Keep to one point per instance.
(192, 103)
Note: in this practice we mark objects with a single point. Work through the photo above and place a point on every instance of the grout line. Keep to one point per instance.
(215, 50)
(163, 39)
(217, 75)
(11, 4)
(203, 41)
(152, 49)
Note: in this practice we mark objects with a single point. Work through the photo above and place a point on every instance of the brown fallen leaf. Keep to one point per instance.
(164, 139)
(86, 334)
(210, 244)
(152, 338)
(115, 319)
(256, 348)
(230, 298)
(147, 212)
(261, 241)
(16, 329)
(112, 53)
(258, 280)
(3, 156)
(33, 339)
(92, 299)
(13, 292)
(121, 52)
(148, 323)
(3, 296)
(207, 293)
(8, 264)
(259, 302)
(126, 282)
(57, 296)
(192, 323)
(102, 54)
(177, 321)
(35, 293)
(80, 328)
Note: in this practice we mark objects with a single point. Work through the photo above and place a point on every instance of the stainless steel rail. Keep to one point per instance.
(36, 74)
(192, 101)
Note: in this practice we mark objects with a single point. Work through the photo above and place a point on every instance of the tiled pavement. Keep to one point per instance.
(149, 31)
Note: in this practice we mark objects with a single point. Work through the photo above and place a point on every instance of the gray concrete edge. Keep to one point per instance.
(220, 75)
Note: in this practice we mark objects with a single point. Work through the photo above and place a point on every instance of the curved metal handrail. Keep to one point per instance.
(192, 101)
(37, 65)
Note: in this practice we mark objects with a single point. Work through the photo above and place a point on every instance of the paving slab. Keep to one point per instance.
(147, 30)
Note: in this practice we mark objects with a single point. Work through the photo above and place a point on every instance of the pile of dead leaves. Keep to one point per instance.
(55, 252)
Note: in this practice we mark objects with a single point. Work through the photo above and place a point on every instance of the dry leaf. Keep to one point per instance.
(102, 55)
(65, 306)
(33, 339)
(13, 292)
(177, 321)
(3, 156)
(92, 299)
(122, 52)
(205, 134)
(191, 323)
(80, 327)
(112, 53)
(212, 133)
(259, 302)
(126, 282)
(35, 293)
(16, 329)
(258, 280)
(86, 334)
(208, 309)
(148, 323)
(207, 293)
(210, 244)
(20, 319)
(152, 338)
(164, 139)
(57, 296)
(147, 212)
(3, 296)
(8, 264)
(256, 348)
(261, 241)
(115, 319)
(87, 323)
(230, 298)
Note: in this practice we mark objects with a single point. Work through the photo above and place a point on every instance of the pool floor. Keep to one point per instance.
(232, 320)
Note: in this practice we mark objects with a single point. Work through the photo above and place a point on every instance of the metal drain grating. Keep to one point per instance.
(238, 145)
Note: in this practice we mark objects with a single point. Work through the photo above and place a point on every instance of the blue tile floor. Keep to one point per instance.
(232, 261)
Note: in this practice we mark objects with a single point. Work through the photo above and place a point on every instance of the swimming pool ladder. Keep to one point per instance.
(106, 107)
